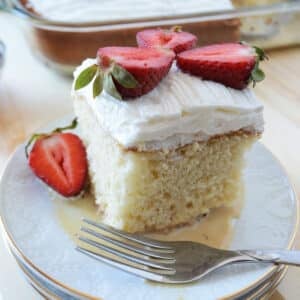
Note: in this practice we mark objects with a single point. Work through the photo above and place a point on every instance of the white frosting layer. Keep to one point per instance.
(180, 110)
(102, 10)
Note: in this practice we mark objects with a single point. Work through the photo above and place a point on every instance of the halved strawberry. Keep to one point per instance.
(133, 71)
(232, 64)
(173, 39)
(59, 159)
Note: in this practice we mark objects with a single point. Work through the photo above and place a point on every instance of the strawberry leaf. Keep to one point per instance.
(110, 87)
(85, 77)
(71, 126)
(98, 85)
(260, 53)
(257, 75)
(31, 140)
(123, 77)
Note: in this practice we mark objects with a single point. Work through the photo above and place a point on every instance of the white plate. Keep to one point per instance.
(50, 291)
(268, 220)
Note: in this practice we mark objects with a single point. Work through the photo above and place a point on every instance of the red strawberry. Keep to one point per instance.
(59, 159)
(173, 39)
(231, 64)
(147, 66)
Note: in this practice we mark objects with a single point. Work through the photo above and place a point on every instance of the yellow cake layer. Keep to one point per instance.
(146, 191)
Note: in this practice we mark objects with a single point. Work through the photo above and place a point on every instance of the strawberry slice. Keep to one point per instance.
(232, 64)
(173, 39)
(145, 66)
(59, 159)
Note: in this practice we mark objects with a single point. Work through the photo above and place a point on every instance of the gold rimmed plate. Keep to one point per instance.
(35, 232)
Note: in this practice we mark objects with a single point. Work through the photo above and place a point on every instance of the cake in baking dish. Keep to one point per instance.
(65, 49)
(161, 158)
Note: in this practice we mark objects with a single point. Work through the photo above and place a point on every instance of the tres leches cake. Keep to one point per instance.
(165, 157)
(165, 127)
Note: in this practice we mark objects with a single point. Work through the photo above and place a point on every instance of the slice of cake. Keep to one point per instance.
(174, 153)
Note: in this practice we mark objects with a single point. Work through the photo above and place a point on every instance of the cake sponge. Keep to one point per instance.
(153, 191)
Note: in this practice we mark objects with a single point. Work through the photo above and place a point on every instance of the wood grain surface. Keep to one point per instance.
(280, 93)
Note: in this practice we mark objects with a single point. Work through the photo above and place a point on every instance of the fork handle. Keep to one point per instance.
(285, 257)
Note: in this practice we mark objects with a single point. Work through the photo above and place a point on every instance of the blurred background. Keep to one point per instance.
(42, 41)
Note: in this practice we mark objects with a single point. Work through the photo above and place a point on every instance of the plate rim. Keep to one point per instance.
(267, 286)
(5, 228)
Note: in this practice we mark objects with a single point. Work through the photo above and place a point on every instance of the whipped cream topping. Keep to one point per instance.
(102, 10)
(182, 109)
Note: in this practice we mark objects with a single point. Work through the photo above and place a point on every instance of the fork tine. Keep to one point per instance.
(136, 249)
(155, 275)
(129, 257)
(135, 238)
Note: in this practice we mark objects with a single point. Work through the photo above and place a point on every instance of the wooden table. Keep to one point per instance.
(31, 95)
(280, 93)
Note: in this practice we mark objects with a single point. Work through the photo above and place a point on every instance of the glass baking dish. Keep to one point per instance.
(62, 45)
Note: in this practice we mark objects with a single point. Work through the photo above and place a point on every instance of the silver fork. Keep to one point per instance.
(167, 262)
